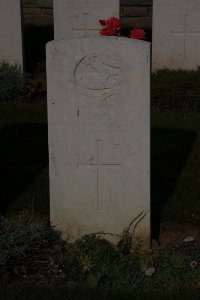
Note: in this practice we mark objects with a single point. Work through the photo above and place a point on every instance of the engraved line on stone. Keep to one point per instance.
(99, 167)
(78, 65)
(107, 79)
(106, 97)
(86, 28)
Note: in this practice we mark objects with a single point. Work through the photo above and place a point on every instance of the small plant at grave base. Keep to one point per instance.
(32, 251)
(128, 242)
(112, 28)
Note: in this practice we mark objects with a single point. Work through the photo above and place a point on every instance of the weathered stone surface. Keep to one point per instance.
(10, 32)
(176, 34)
(99, 141)
(81, 17)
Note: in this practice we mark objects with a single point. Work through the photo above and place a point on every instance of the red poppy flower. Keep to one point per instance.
(102, 22)
(137, 34)
(114, 22)
(108, 30)
(112, 26)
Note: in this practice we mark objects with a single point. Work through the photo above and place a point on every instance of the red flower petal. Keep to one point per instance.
(102, 22)
(114, 22)
(137, 34)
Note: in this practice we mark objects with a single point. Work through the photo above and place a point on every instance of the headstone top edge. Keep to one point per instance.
(98, 38)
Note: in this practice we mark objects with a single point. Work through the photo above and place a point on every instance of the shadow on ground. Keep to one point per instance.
(170, 149)
(23, 155)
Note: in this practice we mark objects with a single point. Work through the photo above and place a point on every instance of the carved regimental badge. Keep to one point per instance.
(98, 76)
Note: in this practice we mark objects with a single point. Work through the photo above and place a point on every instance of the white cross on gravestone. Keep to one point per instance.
(185, 34)
(85, 28)
(99, 167)
(176, 34)
(74, 18)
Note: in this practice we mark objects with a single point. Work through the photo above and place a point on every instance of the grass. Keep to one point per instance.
(178, 90)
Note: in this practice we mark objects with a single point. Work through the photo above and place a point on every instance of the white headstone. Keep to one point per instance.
(98, 114)
(76, 18)
(176, 34)
(11, 32)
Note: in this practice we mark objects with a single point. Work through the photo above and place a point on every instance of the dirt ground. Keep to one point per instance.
(170, 232)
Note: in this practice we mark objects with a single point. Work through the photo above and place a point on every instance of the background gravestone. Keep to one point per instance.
(176, 34)
(73, 18)
(10, 32)
(98, 114)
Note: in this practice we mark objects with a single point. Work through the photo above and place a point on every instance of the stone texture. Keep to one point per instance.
(176, 34)
(81, 17)
(10, 32)
(99, 141)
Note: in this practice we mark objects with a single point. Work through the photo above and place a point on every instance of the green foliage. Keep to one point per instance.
(174, 270)
(178, 89)
(95, 262)
(12, 82)
(31, 250)
(27, 245)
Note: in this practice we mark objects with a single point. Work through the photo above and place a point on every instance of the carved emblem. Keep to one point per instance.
(98, 76)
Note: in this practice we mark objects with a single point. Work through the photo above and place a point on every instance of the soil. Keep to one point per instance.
(171, 232)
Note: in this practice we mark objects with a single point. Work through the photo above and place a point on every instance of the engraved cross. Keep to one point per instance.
(185, 34)
(99, 166)
(85, 28)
